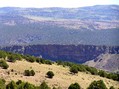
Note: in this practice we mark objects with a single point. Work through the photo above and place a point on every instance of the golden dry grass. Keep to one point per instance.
(62, 76)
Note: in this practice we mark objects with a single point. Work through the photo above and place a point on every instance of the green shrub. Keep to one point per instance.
(29, 73)
(81, 68)
(18, 82)
(32, 73)
(29, 86)
(3, 54)
(38, 60)
(48, 62)
(102, 73)
(25, 85)
(30, 58)
(3, 64)
(114, 76)
(74, 69)
(44, 86)
(2, 84)
(97, 85)
(11, 85)
(111, 87)
(42, 60)
(18, 57)
(74, 86)
(11, 58)
(50, 74)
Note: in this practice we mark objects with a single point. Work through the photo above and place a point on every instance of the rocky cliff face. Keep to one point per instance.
(73, 53)
(108, 62)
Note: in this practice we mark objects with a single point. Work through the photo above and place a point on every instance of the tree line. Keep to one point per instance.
(75, 68)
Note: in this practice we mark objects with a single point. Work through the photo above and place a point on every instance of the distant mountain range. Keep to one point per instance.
(94, 25)
(95, 13)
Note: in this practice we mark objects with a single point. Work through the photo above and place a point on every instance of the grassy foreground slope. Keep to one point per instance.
(62, 76)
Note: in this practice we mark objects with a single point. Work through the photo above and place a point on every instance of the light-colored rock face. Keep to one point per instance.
(109, 62)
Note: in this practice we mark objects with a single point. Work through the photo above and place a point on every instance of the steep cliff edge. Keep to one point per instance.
(73, 53)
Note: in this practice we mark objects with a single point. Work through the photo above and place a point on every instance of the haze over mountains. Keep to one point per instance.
(95, 25)
(80, 35)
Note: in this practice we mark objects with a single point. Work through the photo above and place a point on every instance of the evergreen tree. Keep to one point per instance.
(50, 74)
(111, 87)
(29, 86)
(2, 84)
(74, 69)
(32, 73)
(74, 86)
(3, 64)
(44, 86)
(97, 85)
(3, 54)
(11, 85)
(27, 73)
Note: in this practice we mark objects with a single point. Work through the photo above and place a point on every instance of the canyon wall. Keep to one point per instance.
(72, 53)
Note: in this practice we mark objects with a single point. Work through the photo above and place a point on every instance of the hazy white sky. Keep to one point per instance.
(55, 3)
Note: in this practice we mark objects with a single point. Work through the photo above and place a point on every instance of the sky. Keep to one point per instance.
(55, 3)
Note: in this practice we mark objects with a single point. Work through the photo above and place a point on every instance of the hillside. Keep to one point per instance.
(14, 67)
(62, 76)
(94, 25)
(109, 62)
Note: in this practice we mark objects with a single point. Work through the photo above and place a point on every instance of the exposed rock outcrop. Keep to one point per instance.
(73, 53)
(109, 62)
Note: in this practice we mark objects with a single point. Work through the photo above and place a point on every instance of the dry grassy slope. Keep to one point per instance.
(62, 76)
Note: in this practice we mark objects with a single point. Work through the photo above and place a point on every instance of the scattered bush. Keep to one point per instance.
(29, 73)
(29, 86)
(74, 86)
(2, 84)
(11, 58)
(11, 85)
(30, 58)
(44, 86)
(3, 64)
(32, 73)
(92, 70)
(97, 85)
(111, 87)
(48, 62)
(18, 82)
(102, 73)
(3, 54)
(50, 74)
(74, 69)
